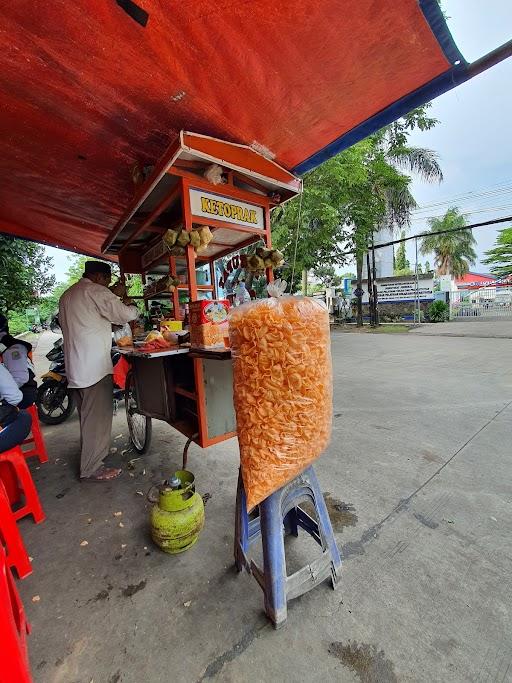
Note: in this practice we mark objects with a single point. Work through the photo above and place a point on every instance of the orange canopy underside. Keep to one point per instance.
(87, 92)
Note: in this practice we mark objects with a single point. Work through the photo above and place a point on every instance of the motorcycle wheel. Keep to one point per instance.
(139, 426)
(54, 402)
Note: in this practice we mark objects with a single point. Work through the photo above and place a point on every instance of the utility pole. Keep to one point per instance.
(374, 278)
(417, 285)
(370, 287)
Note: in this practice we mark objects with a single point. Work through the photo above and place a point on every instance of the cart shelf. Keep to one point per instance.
(165, 294)
(184, 392)
(191, 388)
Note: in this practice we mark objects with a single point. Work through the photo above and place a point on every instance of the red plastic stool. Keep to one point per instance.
(10, 481)
(17, 556)
(35, 437)
(32, 506)
(14, 627)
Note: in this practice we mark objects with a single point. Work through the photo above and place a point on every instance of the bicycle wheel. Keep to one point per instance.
(139, 426)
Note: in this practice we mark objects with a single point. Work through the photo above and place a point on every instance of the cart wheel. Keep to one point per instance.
(139, 426)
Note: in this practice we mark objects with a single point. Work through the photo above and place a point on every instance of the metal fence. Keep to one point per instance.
(486, 302)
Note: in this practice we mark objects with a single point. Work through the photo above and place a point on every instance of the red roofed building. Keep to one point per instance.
(478, 280)
(475, 281)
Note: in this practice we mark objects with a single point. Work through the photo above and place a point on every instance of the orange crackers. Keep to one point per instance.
(282, 385)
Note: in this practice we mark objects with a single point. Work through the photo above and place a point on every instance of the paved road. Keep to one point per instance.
(42, 344)
(477, 327)
(418, 481)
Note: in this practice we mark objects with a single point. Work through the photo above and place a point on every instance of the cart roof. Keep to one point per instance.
(92, 89)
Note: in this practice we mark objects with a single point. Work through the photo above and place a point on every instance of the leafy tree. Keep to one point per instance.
(327, 276)
(427, 267)
(76, 268)
(49, 305)
(401, 262)
(390, 187)
(395, 155)
(500, 256)
(350, 196)
(454, 251)
(25, 274)
(388, 191)
(312, 230)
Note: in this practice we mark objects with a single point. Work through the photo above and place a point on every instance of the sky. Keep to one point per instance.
(473, 137)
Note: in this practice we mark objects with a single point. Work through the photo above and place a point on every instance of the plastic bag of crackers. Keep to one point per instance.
(282, 387)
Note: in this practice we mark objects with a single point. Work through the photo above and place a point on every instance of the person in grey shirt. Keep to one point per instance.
(14, 424)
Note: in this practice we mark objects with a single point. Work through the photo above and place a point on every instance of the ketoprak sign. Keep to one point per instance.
(209, 205)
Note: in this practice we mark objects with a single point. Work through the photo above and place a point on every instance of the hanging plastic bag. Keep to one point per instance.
(282, 387)
(123, 335)
(121, 370)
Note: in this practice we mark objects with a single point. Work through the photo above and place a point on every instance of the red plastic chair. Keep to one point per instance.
(32, 506)
(10, 536)
(35, 438)
(14, 628)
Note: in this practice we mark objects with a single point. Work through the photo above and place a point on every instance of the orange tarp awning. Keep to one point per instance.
(89, 89)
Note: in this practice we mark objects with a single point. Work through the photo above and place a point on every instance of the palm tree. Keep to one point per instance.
(453, 251)
(418, 161)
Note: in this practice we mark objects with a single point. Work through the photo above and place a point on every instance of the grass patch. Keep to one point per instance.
(390, 329)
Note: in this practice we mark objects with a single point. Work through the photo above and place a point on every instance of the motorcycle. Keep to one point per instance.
(55, 402)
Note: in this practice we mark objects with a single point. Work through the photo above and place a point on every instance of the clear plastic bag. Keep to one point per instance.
(282, 386)
(123, 335)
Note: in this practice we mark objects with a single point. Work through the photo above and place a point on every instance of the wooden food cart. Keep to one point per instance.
(191, 388)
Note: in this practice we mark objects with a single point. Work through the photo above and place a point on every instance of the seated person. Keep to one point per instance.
(16, 356)
(15, 424)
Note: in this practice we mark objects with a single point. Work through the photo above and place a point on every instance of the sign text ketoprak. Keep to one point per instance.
(219, 207)
(226, 209)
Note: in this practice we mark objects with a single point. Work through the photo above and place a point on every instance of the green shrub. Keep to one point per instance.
(17, 322)
(438, 312)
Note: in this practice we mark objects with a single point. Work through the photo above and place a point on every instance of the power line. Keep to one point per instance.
(442, 232)
(496, 188)
(484, 210)
(460, 203)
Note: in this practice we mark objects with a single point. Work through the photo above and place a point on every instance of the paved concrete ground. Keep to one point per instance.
(419, 482)
(498, 328)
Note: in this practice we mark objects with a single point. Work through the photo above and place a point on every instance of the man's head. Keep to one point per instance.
(98, 272)
(4, 323)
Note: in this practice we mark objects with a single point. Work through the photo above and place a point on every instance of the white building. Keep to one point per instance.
(383, 257)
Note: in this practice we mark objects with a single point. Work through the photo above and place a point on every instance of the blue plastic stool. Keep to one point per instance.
(279, 514)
